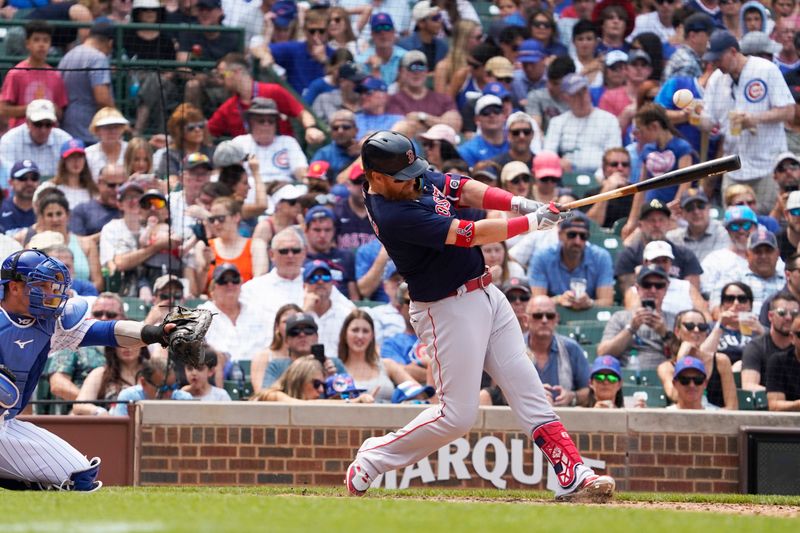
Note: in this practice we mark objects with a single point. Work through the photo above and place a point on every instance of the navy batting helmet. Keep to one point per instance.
(393, 154)
(47, 278)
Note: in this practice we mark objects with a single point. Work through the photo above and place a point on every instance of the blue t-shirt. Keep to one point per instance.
(689, 132)
(277, 367)
(657, 162)
(337, 156)
(414, 234)
(580, 366)
(317, 87)
(136, 394)
(478, 149)
(547, 270)
(366, 124)
(12, 217)
(399, 348)
(365, 257)
(301, 68)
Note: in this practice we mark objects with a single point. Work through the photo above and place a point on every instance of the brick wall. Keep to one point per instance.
(644, 451)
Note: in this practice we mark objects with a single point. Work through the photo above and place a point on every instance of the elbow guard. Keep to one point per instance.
(453, 185)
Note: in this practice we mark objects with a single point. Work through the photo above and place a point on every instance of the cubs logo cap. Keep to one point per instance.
(739, 213)
(687, 363)
(607, 363)
(408, 391)
(393, 154)
(318, 170)
(341, 385)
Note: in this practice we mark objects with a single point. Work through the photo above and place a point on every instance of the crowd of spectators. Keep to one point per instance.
(238, 188)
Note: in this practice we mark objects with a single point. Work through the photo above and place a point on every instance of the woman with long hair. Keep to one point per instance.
(340, 31)
(73, 177)
(188, 133)
(688, 337)
(138, 157)
(467, 34)
(650, 43)
(736, 324)
(605, 383)
(106, 382)
(277, 348)
(248, 254)
(542, 27)
(495, 256)
(358, 353)
(108, 125)
(236, 178)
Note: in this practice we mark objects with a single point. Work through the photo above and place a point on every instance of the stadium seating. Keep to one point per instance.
(752, 400)
(655, 395)
(135, 308)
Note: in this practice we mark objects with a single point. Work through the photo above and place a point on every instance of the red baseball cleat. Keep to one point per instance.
(357, 480)
(593, 489)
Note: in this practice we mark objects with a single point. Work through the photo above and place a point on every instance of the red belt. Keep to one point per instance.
(481, 282)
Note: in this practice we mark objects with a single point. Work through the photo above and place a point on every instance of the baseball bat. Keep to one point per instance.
(675, 177)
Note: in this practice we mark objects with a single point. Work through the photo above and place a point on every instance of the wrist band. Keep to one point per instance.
(516, 226)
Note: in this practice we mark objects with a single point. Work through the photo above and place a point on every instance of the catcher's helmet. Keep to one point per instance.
(392, 153)
(36, 269)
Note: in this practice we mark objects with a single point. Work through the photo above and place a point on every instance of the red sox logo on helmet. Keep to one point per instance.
(411, 157)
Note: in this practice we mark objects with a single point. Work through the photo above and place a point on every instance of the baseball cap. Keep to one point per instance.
(285, 12)
(340, 385)
(441, 132)
(372, 84)
(656, 249)
(300, 319)
(654, 205)
(26, 166)
(39, 110)
(720, 41)
(197, 159)
(636, 54)
(516, 284)
(693, 195)
(318, 170)
(783, 156)
(146, 4)
(530, 51)
(698, 22)
(130, 185)
(212, 4)
(547, 164)
(356, 171)
(409, 390)
(758, 42)
(498, 89)
(227, 154)
(512, 169)
(793, 202)
(413, 57)
(381, 22)
(487, 173)
(487, 100)
(615, 56)
(106, 29)
(688, 363)
(607, 363)
(45, 239)
(152, 194)
(263, 106)
(520, 116)
(500, 67)
(423, 10)
(573, 83)
(762, 236)
(166, 279)
(351, 72)
(288, 192)
(72, 146)
(313, 266)
(577, 220)
(651, 270)
(223, 269)
(739, 213)
(318, 212)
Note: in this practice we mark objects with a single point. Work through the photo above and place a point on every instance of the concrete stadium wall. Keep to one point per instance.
(267, 443)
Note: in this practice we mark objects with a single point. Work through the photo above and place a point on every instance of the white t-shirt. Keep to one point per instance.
(116, 238)
(96, 158)
(214, 395)
(279, 160)
(242, 340)
(584, 140)
(650, 23)
(761, 87)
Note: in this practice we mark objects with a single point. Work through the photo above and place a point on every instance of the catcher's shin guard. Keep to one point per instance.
(84, 480)
(9, 393)
(561, 452)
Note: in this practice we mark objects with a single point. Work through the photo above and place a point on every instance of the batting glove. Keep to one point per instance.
(547, 217)
(524, 206)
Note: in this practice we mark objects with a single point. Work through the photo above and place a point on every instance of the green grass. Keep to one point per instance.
(189, 509)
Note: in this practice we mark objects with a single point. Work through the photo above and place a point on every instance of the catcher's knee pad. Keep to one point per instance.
(9, 393)
(561, 452)
(84, 480)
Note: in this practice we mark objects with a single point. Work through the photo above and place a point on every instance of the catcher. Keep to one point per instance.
(37, 316)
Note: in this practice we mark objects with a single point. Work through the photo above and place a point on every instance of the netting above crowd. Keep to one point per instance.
(206, 151)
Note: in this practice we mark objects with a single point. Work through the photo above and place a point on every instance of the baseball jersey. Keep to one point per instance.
(26, 341)
(760, 87)
(414, 234)
(277, 161)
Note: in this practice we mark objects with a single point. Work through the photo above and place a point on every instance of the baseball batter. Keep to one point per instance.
(35, 317)
(466, 322)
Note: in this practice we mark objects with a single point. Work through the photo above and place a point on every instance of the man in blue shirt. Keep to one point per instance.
(531, 76)
(373, 115)
(428, 25)
(382, 59)
(491, 141)
(320, 236)
(344, 147)
(17, 211)
(573, 272)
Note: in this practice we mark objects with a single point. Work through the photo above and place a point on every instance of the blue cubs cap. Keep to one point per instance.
(313, 266)
(574, 83)
(718, 43)
(381, 22)
(739, 213)
(689, 362)
(72, 146)
(498, 89)
(607, 363)
(319, 212)
(698, 22)
(285, 12)
(26, 166)
(530, 51)
(408, 391)
(341, 386)
(762, 236)
(372, 84)
(223, 269)
(693, 194)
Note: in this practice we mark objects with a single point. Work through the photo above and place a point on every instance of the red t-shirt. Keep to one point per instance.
(21, 87)
(615, 101)
(434, 103)
(227, 119)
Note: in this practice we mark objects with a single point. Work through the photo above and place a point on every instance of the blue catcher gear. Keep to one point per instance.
(84, 480)
(9, 393)
(47, 278)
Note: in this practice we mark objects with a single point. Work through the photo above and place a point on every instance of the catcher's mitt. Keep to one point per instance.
(185, 342)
